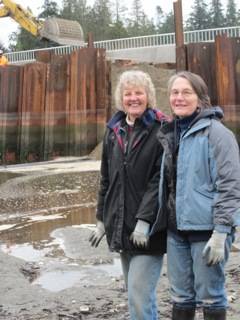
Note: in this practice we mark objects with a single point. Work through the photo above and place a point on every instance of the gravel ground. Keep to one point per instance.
(48, 270)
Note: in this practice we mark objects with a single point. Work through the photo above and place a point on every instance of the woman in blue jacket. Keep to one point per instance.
(200, 191)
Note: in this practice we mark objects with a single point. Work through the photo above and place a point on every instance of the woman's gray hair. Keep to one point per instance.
(135, 78)
(198, 85)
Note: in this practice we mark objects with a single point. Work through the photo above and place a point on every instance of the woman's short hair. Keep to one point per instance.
(198, 84)
(135, 78)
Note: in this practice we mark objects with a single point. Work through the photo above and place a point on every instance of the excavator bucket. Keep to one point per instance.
(62, 31)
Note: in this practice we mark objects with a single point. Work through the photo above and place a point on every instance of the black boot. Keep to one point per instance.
(215, 314)
(183, 313)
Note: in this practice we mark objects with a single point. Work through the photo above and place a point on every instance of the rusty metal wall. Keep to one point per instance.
(57, 106)
(32, 108)
(201, 60)
(10, 114)
(219, 65)
(228, 80)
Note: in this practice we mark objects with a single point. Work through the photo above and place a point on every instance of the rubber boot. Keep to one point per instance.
(214, 314)
(183, 313)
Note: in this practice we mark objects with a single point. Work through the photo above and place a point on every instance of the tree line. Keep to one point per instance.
(109, 19)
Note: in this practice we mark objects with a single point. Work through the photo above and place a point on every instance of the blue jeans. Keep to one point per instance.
(141, 274)
(192, 282)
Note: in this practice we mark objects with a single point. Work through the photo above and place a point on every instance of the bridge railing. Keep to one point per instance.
(137, 42)
(208, 35)
(155, 40)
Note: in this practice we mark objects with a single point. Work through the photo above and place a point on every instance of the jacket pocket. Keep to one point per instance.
(204, 193)
(200, 208)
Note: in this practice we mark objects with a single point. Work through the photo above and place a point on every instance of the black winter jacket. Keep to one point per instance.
(130, 172)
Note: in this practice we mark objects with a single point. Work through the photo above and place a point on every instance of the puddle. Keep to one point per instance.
(24, 251)
(56, 281)
(113, 270)
(59, 280)
(45, 221)
(63, 254)
(39, 227)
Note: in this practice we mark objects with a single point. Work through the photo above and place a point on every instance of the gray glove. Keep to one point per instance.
(140, 235)
(97, 235)
(214, 250)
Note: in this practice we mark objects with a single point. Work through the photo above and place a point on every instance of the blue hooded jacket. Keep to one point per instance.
(207, 175)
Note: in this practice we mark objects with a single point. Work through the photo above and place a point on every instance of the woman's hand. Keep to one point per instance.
(214, 250)
(97, 235)
(140, 235)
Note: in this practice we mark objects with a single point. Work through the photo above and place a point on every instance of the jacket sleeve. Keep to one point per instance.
(104, 179)
(149, 205)
(226, 176)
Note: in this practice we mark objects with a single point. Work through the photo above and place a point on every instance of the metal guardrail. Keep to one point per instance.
(19, 57)
(156, 40)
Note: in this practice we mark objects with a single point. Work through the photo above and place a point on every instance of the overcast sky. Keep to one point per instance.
(8, 25)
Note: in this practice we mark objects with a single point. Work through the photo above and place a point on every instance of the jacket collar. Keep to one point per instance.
(149, 116)
(199, 122)
(199, 125)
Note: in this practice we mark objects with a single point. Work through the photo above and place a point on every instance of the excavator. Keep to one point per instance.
(61, 31)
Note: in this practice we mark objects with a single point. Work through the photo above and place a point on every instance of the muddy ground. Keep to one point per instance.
(48, 270)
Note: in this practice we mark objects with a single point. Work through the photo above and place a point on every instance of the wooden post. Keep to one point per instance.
(90, 40)
(225, 71)
(181, 63)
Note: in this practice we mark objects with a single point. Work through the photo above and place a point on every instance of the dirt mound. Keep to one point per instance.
(96, 154)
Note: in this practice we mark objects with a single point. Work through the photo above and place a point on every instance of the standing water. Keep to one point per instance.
(47, 212)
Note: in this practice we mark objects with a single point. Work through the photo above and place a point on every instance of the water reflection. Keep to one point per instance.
(58, 280)
(113, 269)
(38, 242)
(38, 228)
(24, 251)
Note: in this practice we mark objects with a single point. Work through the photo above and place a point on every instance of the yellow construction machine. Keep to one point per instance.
(61, 31)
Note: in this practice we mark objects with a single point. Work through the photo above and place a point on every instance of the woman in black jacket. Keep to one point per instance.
(128, 195)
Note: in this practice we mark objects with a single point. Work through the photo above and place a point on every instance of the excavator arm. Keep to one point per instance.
(22, 16)
(62, 31)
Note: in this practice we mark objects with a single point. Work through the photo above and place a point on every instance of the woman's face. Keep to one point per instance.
(134, 102)
(183, 99)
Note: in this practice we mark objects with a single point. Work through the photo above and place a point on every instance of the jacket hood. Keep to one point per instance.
(213, 112)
